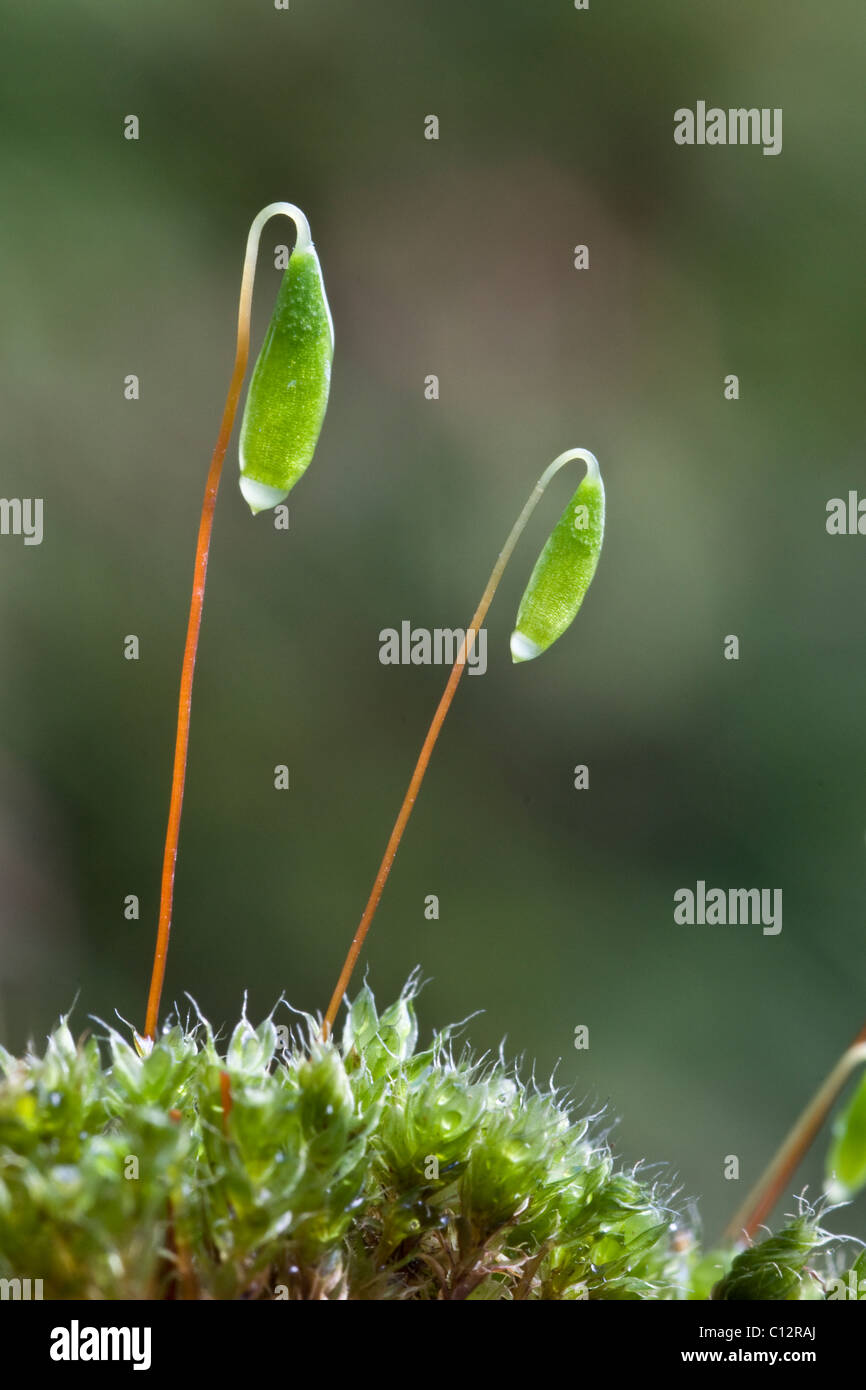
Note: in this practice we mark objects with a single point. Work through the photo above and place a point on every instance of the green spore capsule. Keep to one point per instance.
(565, 567)
(288, 392)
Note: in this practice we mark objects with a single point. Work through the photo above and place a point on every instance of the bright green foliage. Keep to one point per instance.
(562, 573)
(288, 392)
(67, 1214)
(776, 1267)
(278, 1166)
(846, 1161)
(706, 1271)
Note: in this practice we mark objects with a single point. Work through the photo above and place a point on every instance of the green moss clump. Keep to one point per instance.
(775, 1269)
(281, 1166)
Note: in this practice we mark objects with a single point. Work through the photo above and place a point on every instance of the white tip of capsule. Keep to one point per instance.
(259, 496)
(523, 648)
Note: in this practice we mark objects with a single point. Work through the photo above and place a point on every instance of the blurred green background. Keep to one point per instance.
(451, 257)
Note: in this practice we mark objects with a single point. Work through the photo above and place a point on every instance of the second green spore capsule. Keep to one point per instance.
(563, 571)
(288, 392)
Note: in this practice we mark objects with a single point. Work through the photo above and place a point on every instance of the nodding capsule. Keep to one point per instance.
(288, 391)
(563, 571)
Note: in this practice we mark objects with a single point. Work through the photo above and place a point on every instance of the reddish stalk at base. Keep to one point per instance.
(226, 1099)
(774, 1181)
(399, 826)
(181, 747)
